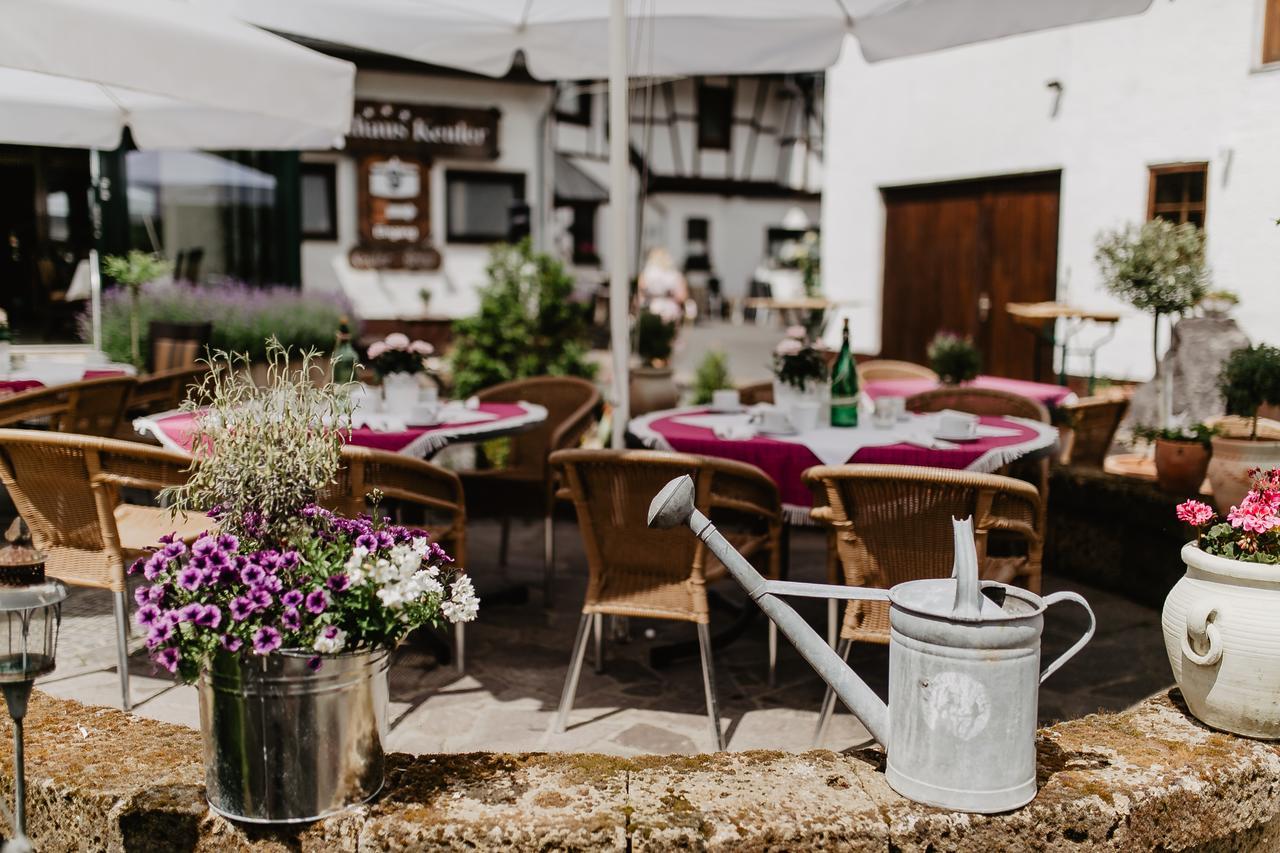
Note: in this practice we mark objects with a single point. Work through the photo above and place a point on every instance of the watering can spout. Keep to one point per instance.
(674, 507)
(968, 600)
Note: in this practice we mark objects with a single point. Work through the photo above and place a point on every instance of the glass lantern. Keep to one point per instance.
(30, 616)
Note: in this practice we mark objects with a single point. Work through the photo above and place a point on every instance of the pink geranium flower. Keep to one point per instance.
(397, 340)
(1195, 513)
(1256, 514)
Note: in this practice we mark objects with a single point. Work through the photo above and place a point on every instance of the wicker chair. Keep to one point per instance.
(1090, 429)
(91, 407)
(175, 345)
(158, 392)
(887, 368)
(660, 574)
(406, 482)
(527, 481)
(67, 489)
(756, 392)
(892, 523)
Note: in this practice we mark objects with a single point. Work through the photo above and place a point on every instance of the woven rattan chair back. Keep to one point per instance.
(756, 392)
(1092, 422)
(175, 345)
(978, 401)
(570, 403)
(639, 571)
(892, 524)
(407, 482)
(91, 407)
(67, 487)
(163, 391)
(887, 368)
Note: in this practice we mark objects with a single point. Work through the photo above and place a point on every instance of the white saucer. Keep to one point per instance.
(765, 431)
(727, 410)
(946, 437)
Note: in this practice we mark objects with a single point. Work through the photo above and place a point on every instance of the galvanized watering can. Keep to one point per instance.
(964, 668)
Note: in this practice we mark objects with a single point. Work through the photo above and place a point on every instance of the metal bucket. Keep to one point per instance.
(283, 744)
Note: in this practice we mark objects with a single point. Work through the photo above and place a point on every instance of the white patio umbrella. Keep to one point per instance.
(576, 39)
(77, 72)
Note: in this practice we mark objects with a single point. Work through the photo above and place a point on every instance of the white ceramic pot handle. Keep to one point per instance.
(1201, 628)
(1054, 598)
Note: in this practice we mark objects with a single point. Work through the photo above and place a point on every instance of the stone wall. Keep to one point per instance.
(1150, 778)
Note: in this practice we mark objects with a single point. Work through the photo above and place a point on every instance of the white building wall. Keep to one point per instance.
(1181, 82)
(453, 287)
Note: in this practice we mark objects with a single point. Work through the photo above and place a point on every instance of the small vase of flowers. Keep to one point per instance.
(954, 358)
(399, 363)
(284, 614)
(1219, 623)
(800, 373)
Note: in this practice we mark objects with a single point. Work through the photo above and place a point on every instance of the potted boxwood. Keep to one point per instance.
(1219, 623)
(954, 358)
(1249, 379)
(285, 614)
(1181, 454)
(652, 385)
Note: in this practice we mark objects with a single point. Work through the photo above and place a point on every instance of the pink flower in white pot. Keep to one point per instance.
(421, 348)
(397, 340)
(376, 349)
(789, 346)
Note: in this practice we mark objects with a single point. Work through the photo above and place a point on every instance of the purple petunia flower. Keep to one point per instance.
(142, 595)
(160, 632)
(289, 560)
(272, 584)
(439, 553)
(291, 619)
(147, 615)
(168, 658)
(385, 539)
(210, 616)
(317, 601)
(227, 542)
(231, 642)
(265, 640)
(252, 574)
(241, 608)
(174, 549)
(154, 565)
(292, 598)
(136, 565)
(260, 598)
(338, 582)
(190, 612)
(314, 663)
(168, 538)
(367, 541)
(204, 546)
(190, 578)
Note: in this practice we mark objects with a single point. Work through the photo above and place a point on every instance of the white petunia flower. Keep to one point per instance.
(331, 640)
(420, 545)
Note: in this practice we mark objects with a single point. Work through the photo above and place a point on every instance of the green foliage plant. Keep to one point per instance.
(527, 324)
(712, 375)
(262, 453)
(954, 358)
(655, 338)
(1249, 378)
(134, 270)
(1157, 267)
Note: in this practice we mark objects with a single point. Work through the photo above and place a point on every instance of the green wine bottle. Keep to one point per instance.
(343, 362)
(844, 385)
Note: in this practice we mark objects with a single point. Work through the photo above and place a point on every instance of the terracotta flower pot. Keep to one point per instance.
(1229, 469)
(1181, 465)
(1223, 642)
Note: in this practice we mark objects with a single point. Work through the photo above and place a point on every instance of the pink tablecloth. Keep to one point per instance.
(1049, 395)
(13, 386)
(174, 429)
(785, 461)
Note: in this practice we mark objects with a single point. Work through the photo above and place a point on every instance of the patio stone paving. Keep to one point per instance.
(517, 655)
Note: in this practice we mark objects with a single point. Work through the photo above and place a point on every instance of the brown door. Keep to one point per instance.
(955, 254)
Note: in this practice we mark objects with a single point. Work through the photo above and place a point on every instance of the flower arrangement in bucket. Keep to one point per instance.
(286, 613)
(954, 358)
(1220, 632)
(800, 373)
(399, 362)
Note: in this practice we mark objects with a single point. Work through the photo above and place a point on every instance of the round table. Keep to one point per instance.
(38, 373)
(1050, 396)
(784, 459)
(488, 420)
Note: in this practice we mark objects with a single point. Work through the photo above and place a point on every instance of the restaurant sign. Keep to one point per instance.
(424, 130)
(394, 214)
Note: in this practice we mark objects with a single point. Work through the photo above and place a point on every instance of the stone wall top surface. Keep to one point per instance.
(1150, 778)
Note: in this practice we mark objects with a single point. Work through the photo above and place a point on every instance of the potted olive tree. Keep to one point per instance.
(652, 385)
(1250, 378)
(133, 271)
(1157, 267)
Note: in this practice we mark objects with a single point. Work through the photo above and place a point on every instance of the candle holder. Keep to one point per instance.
(30, 616)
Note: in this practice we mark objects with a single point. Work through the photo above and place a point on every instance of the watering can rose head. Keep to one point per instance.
(1251, 531)
(341, 585)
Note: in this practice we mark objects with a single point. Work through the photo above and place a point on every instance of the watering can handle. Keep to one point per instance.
(1054, 598)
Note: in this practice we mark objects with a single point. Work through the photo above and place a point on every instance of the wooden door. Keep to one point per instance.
(957, 253)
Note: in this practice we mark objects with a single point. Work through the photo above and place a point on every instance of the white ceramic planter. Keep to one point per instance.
(1223, 641)
(400, 392)
(786, 396)
(1229, 467)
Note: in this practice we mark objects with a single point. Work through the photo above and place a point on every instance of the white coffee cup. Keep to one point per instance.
(726, 400)
(804, 415)
(772, 419)
(957, 425)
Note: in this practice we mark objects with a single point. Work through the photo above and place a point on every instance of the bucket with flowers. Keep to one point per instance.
(1219, 620)
(400, 363)
(800, 374)
(284, 613)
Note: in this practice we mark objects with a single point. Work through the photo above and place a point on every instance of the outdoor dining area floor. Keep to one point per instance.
(517, 655)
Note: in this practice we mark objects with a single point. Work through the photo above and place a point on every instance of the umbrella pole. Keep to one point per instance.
(95, 269)
(619, 287)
